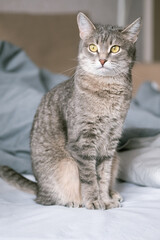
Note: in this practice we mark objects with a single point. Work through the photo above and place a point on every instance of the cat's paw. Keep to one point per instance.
(110, 203)
(94, 204)
(73, 205)
(116, 196)
(103, 204)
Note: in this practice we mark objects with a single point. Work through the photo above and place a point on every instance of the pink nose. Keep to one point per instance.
(102, 61)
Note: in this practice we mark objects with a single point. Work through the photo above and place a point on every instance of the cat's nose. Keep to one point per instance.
(102, 61)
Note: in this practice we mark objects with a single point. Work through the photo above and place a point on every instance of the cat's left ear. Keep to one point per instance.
(86, 27)
(131, 32)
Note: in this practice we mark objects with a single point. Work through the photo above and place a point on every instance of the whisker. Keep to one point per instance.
(69, 70)
(74, 59)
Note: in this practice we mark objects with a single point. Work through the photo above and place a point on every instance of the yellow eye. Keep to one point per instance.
(115, 49)
(93, 48)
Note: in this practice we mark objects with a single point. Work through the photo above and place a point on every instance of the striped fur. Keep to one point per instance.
(78, 124)
(17, 180)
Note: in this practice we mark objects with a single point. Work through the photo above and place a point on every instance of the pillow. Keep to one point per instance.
(22, 85)
(140, 162)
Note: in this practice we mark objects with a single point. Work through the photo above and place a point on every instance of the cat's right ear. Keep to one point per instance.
(86, 27)
(131, 32)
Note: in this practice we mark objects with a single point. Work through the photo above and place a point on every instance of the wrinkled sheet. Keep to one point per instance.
(22, 86)
(138, 219)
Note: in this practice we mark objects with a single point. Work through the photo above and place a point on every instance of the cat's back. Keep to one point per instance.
(51, 106)
(57, 95)
(60, 92)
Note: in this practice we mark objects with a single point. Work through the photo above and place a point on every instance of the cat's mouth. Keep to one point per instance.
(104, 71)
(103, 68)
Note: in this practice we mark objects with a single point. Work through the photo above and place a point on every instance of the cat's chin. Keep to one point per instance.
(99, 71)
(103, 72)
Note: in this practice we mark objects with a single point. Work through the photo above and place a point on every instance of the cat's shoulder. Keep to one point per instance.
(62, 91)
(64, 87)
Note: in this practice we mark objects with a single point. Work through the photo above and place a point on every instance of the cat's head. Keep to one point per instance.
(106, 50)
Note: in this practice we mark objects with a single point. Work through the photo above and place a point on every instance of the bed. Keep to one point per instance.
(138, 219)
(22, 84)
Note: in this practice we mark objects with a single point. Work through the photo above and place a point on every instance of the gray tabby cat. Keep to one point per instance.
(78, 124)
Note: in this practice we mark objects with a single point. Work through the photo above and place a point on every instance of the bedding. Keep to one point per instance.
(139, 218)
(22, 86)
(140, 162)
(140, 143)
(143, 117)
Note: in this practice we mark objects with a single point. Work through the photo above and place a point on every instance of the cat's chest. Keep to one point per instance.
(99, 99)
(93, 106)
(95, 115)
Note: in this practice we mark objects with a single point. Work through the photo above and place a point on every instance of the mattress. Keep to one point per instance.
(137, 219)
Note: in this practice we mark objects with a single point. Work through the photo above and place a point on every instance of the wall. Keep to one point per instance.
(102, 11)
(133, 11)
(157, 31)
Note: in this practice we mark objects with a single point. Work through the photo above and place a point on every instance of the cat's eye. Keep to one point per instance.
(115, 49)
(93, 48)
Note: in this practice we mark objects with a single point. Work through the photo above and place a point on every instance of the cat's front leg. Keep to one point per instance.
(86, 160)
(104, 172)
(114, 172)
(89, 185)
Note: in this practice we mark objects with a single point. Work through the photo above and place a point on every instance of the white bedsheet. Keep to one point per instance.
(138, 219)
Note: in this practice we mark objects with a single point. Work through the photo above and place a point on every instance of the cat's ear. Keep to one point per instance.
(86, 27)
(131, 32)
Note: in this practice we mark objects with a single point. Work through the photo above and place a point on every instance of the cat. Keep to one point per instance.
(78, 123)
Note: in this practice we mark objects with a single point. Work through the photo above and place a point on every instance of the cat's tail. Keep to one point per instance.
(17, 180)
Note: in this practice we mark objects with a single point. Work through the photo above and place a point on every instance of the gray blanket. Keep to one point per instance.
(143, 118)
(22, 85)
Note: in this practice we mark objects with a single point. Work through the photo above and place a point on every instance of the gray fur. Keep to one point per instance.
(78, 123)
